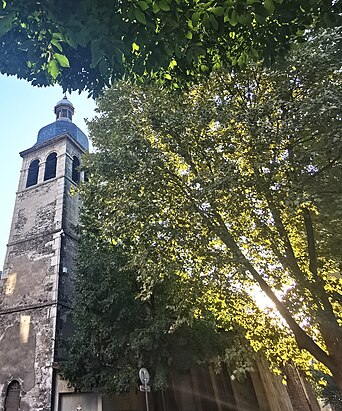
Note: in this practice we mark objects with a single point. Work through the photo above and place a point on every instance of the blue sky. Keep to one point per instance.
(24, 109)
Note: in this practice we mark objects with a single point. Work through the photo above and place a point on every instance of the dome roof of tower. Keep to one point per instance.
(64, 101)
(59, 127)
(64, 111)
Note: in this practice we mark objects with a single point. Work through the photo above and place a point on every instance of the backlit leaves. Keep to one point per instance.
(196, 34)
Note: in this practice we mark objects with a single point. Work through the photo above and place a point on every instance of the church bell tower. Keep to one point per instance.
(35, 288)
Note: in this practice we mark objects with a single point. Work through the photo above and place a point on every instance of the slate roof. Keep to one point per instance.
(63, 126)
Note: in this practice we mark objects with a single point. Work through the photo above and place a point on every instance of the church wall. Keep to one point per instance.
(25, 356)
(271, 392)
(202, 389)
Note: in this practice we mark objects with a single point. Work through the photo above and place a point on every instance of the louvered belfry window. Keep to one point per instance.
(13, 397)
(32, 177)
(75, 169)
(50, 166)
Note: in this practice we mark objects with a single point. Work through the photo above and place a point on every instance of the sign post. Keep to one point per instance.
(145, 378)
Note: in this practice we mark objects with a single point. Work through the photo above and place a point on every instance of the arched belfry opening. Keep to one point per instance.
(50, 166)
(12, 402)
(32, 176)
(75, 170)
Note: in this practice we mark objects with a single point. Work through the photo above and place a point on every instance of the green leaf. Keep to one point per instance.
(261, 10)
(6, 23)
(164, 5)
(103, 67)
(269, 5)
(57, 36)
(195, 18)
(178, 51)
(57, 44)
(96, 53)
(71, 41)
(218, 11)
(167, 76)
(217, 66)
(233, 18)
(135, 47)
(189, 35)
(260, 19)
(242, 18)
(213, 22)
(140, 16)
(206, 21)
(155, 8)
(63, 60)
(53, 68)
(242, 60)
(143, 5)
(173, 64)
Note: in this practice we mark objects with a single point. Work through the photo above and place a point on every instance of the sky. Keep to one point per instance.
(24, 110)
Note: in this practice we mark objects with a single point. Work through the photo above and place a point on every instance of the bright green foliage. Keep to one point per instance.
(86, 44)
(231, 186)
(117, 332)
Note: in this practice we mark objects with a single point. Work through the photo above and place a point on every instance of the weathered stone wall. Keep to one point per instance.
(25, 356)
(36, 284)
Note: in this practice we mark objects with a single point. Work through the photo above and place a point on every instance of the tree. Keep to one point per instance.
(86, 44)
(233, 185)
(117, 332)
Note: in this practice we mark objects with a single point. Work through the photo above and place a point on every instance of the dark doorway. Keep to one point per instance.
(12, 402)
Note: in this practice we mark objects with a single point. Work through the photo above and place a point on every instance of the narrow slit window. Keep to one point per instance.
(12, 402)
(32, 176)
(75, 169)
(50, 166)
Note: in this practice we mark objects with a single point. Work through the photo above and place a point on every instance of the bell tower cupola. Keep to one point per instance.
(64, 109)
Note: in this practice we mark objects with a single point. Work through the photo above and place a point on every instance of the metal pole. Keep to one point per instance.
(146, 399)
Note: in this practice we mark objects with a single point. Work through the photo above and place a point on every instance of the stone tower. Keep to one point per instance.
(36, 281)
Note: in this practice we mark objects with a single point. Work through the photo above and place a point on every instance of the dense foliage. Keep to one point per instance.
(117, 332)
(85, 44)
(232, 187)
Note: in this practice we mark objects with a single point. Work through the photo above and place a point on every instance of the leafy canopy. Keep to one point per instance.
(212, 193)
(118, 331)
(86, 44)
